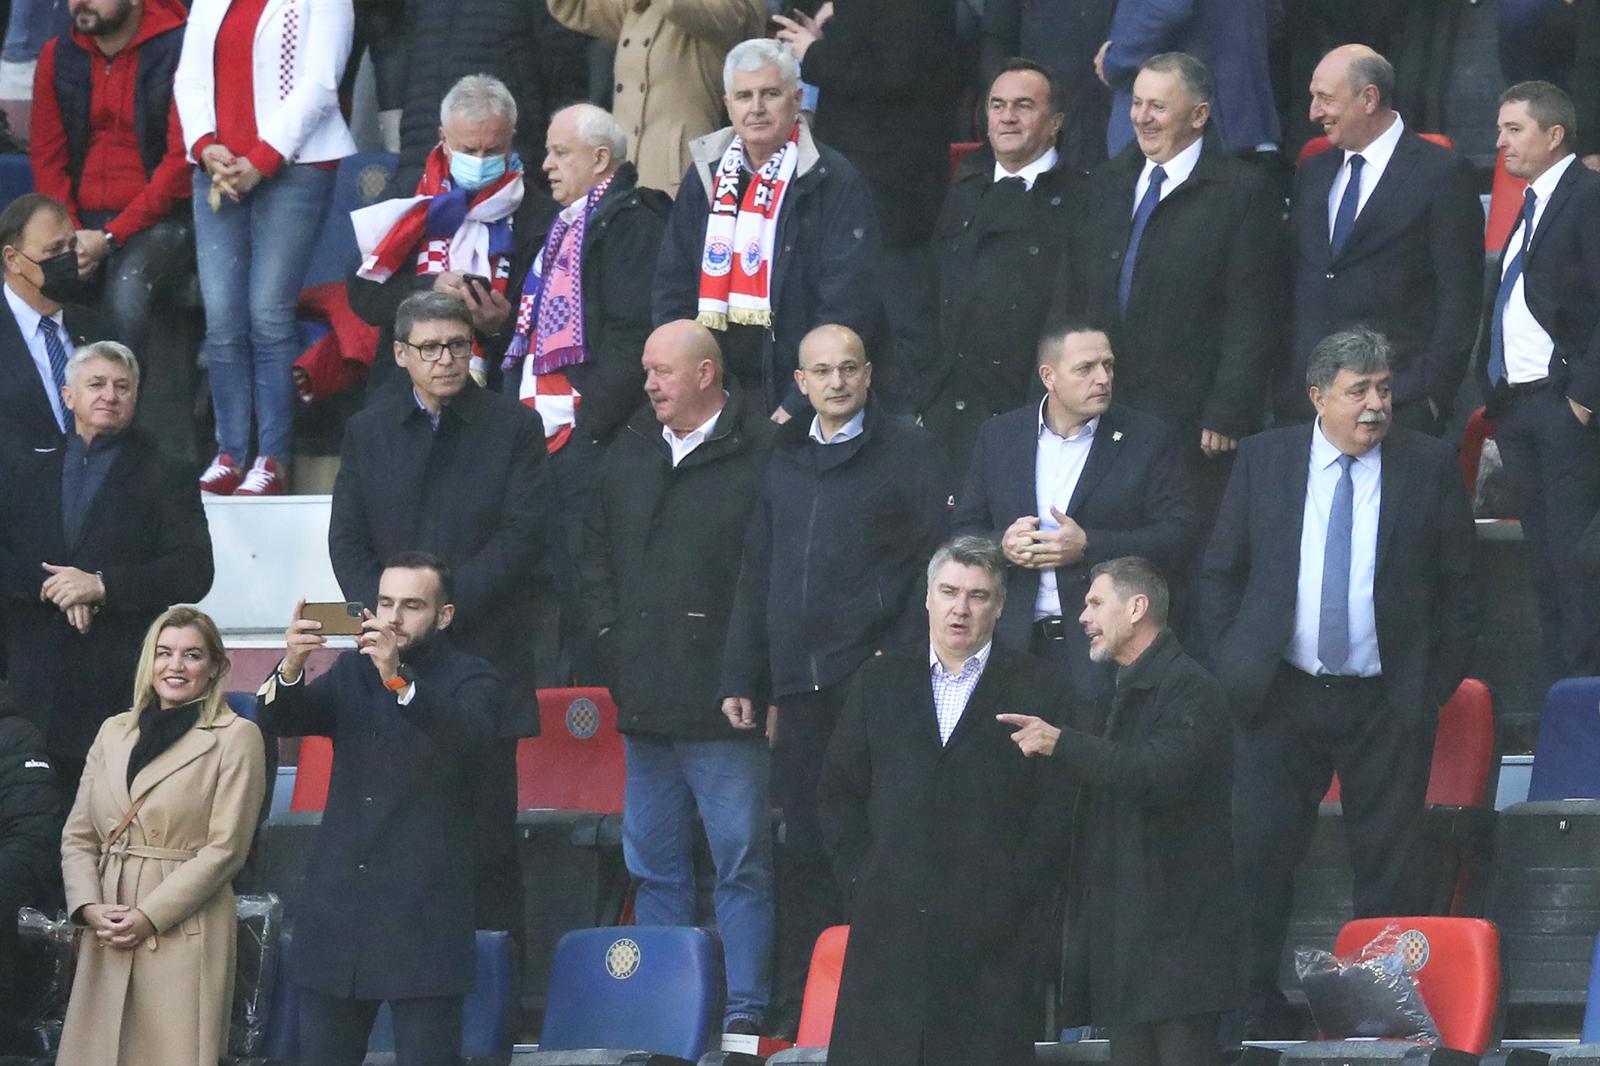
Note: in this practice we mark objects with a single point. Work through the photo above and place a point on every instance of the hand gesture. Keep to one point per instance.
(740, 712)
(490, 309)
(1059, 547)
(80, 617)
(128, 928)
(1213, 443)
(67, 586)
(1017, 541)
(92, 247)
(380, 643)
(1033, 735)
(299, 640)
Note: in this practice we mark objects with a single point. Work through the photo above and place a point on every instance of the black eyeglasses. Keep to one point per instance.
(432, 352)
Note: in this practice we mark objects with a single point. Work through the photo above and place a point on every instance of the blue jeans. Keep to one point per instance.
(727, 780)
(32, 23)
(252, 258)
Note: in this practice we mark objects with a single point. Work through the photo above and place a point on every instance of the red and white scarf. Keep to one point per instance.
(741, 236)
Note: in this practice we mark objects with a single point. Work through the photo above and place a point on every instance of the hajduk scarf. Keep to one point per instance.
(550, 331)
(743, 230)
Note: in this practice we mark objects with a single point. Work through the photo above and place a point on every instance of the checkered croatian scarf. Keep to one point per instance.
(743, 231)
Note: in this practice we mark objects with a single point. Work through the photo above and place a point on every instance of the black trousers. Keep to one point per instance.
(1552, 462)
(1187, 1041)
(334, 1031)
(808, 899)
(1310, 728)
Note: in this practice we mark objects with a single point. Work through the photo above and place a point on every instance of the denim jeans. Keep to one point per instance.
(727, 780)
(32, 23)
(252, 258)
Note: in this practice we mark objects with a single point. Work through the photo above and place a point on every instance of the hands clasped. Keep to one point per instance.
(1025, 544)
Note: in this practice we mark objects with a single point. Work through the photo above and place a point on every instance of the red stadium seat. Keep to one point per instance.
(1463, 750)
(959, 151)
(576, 762)
(311, 775)
(1456, 962)
(822, 988)
(1319, 144)
(1479, 429)
(1505, 204)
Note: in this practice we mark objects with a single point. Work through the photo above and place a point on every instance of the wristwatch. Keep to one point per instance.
(401, 679)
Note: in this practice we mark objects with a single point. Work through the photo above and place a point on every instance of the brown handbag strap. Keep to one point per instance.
(127, 820)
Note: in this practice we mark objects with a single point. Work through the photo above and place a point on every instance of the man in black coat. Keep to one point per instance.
(449, 468)
(387, 909)
(851, 505)
(98, 535)
(38, 328)
(823, 266)
(660, 564)
(945, 837)
(1063, 35)
(1541, 372)
(30, 853)
(1067, 484)
(1399, 249)
(887, 81)
(1186, 272)
(1338, 597)
(1152, 909)
(1001, 239)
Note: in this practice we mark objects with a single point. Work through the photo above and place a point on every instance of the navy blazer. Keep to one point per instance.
(1424, 593)
(25, 410)
(1561, 283)
(1133, 498)
(1411, 269)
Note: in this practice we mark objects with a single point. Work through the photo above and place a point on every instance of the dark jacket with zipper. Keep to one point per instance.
(659, 564)
(30, 844)
(834, 559)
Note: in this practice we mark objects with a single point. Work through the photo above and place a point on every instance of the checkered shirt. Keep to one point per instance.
(952, 691)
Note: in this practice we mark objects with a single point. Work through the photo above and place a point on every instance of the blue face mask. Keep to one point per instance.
(476, 172)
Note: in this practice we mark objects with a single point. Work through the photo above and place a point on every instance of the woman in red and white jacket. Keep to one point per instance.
(257, 92)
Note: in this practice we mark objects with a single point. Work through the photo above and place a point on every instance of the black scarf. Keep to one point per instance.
(158, 731)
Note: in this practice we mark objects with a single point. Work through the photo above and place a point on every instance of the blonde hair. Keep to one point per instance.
(183, 616)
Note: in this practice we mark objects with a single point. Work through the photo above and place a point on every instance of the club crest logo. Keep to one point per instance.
(583, 719)
(1413, 949)
(751, 261)
(622, 959)
(719, 258)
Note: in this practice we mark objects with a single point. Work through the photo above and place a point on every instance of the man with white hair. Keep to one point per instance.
(581, 324)
(469, 226)
(772, 234)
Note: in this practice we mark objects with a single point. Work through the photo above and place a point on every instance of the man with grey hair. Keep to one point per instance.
(97, 536)
(1338, 597)
(772, 234)
(1387, 231)
(470, 231)
(944, 835)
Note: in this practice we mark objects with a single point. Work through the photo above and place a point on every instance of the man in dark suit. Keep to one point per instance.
(1542, 368)
(944, 835)
(1388, 233)
(98, 535)
(1001, 240)
(452, 469)
(1180, 257)
(1339, 601)
(38, 332)
(1067, 484)
(387, 913)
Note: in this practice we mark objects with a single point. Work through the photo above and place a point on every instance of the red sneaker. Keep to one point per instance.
(222, 476)
(262, 479)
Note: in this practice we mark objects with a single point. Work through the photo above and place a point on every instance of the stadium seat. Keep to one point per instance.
(576, 762)
(1319, 144)
(822, 995)
(311, 774)
(1566, 762)
(279, 858)
(959, 151)
(483, 1021)
(16, 178)
(281, 1042)
(362, 181)
(1505, 205)
(243, 704)
(1479, 429)
(619, 994)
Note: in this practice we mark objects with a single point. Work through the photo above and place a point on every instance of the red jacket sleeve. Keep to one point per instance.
(47, 146)
(169, 184)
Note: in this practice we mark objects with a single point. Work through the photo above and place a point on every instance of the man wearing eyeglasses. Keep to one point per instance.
(457, 471)
(855, 500)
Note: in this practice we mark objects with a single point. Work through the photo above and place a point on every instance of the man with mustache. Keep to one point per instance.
(1338, 598)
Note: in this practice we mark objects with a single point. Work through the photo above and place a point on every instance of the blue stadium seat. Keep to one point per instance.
(243, 704)
(483, 1028)
(1566, 762)
(362, 181)
(652, 990)
(16, 178)
(1591, 1014)
(282, 1041)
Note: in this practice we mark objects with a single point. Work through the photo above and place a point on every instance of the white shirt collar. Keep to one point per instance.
(981, 657)
(1545, 184)
(849, 431)
(1177, 169)
(682, 446)
(1087, 430)
(27, 318)
(1324, 453)
(1029, 173)
(1378, 153)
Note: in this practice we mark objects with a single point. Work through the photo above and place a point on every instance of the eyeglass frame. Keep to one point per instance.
(450, 346)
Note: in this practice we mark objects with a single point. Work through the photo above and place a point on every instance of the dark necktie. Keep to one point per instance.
(1345, 220)
(1333, 628)
(1141, 218)
(58, 359)
(1508, 281)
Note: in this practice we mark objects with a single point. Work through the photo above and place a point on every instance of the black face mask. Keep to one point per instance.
(61, 281)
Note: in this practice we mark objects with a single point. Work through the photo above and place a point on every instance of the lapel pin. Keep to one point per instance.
(1116, 435)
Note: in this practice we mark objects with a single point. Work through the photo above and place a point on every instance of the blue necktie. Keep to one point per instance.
(1141, 218)
(1349, 204)
(1508, 281)
(1333, 626)
(58, 359)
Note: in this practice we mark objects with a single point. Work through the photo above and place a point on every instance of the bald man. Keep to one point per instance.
(853, 504)
(1387, 232)
(659, 565)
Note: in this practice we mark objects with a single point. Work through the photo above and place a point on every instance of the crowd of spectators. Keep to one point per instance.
(734, 386)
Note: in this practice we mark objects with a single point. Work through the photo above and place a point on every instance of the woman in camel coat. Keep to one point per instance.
(154, 984)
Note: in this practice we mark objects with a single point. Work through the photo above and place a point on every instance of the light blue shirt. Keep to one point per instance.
(28, 325)
(952, 691)
(849, 431)
(1367, 475)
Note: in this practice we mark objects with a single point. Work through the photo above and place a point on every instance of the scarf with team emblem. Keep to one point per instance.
(736, 265)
